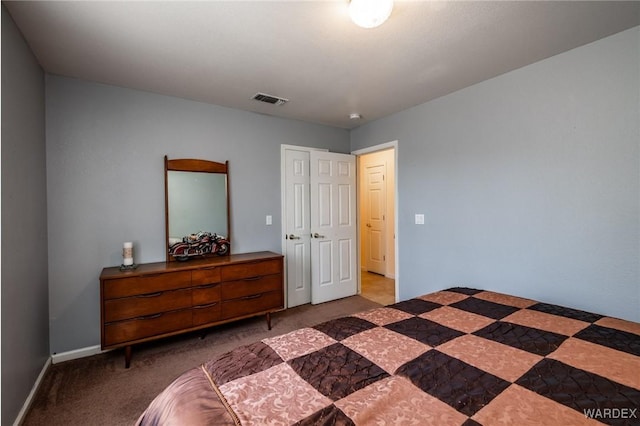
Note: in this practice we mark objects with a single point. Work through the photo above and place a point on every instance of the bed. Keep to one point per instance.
(455, 357)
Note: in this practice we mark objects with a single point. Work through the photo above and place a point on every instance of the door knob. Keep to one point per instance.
(316, 235)
(293, 237)
(368, 225)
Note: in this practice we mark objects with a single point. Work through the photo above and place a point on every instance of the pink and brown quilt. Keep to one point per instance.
(455, 357)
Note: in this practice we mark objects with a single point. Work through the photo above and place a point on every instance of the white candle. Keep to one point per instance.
(127, 254)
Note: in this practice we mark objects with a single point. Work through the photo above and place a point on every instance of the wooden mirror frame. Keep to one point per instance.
(192, 165)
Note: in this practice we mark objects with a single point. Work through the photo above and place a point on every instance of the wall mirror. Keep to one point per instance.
(196, 199)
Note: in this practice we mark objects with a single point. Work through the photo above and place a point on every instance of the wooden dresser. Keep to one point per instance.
(167, 298)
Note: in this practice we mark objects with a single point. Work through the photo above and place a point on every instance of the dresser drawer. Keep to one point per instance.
(205, 294)
(144, 284)
(152, 325)
(205, 275)
(251, 286)
(146, 304)
(251, 304)
(251, 269)
(205, 314)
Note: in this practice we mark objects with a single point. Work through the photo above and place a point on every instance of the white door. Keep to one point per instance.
(297, 227)
(333, 226)
(375, 218)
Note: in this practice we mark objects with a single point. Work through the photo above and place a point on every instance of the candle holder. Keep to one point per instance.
(128, 267)
(127, 257)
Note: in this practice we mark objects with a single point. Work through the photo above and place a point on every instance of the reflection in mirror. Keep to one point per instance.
(197, 202)
(196, 199)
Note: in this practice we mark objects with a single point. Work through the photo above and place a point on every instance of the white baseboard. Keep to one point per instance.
(76, 354)
(34, 389)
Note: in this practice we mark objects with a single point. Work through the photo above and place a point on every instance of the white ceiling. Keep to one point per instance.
(223, 52)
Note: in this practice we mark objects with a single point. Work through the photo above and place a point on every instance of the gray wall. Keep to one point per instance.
(25, 301)
(529, 182)
(105, 175)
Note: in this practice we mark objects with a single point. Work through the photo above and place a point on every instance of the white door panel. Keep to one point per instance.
(345, 207)
(298, 269)
(297, 230)
(346, 259)
(333, 226)
(324, 264)
(323, 210)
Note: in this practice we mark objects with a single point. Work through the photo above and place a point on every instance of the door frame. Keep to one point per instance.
(381, 147)
(366, 227)
(283, 208)
(358, 152)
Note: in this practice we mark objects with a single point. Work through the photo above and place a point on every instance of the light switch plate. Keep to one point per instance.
(419, 219)
(269, 219)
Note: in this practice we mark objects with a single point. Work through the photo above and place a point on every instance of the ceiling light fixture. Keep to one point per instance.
(355, 116)
(370, 13)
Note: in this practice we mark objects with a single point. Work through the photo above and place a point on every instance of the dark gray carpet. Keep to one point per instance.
(98, 390)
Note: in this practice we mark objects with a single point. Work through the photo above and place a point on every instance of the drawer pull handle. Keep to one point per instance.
(210, 268)
(253, 278)
(156, 294)
(148, 317)
(255, 296)
(202, 287)
(205, 306)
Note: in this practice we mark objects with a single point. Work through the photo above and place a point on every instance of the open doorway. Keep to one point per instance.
(376, 198)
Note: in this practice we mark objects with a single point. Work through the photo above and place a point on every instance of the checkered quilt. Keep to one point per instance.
(455, 357)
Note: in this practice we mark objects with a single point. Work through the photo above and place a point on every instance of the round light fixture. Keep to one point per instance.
(370, 13)
(355, 116)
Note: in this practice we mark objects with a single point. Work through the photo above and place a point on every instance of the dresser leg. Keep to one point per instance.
(127, 356)
(269, 320)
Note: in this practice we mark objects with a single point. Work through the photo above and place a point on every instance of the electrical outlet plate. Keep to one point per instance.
(269, 219)
(419, 219)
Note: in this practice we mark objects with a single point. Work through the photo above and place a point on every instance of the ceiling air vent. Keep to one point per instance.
(274, 100)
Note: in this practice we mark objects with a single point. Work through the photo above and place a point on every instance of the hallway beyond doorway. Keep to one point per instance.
(378, 288)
